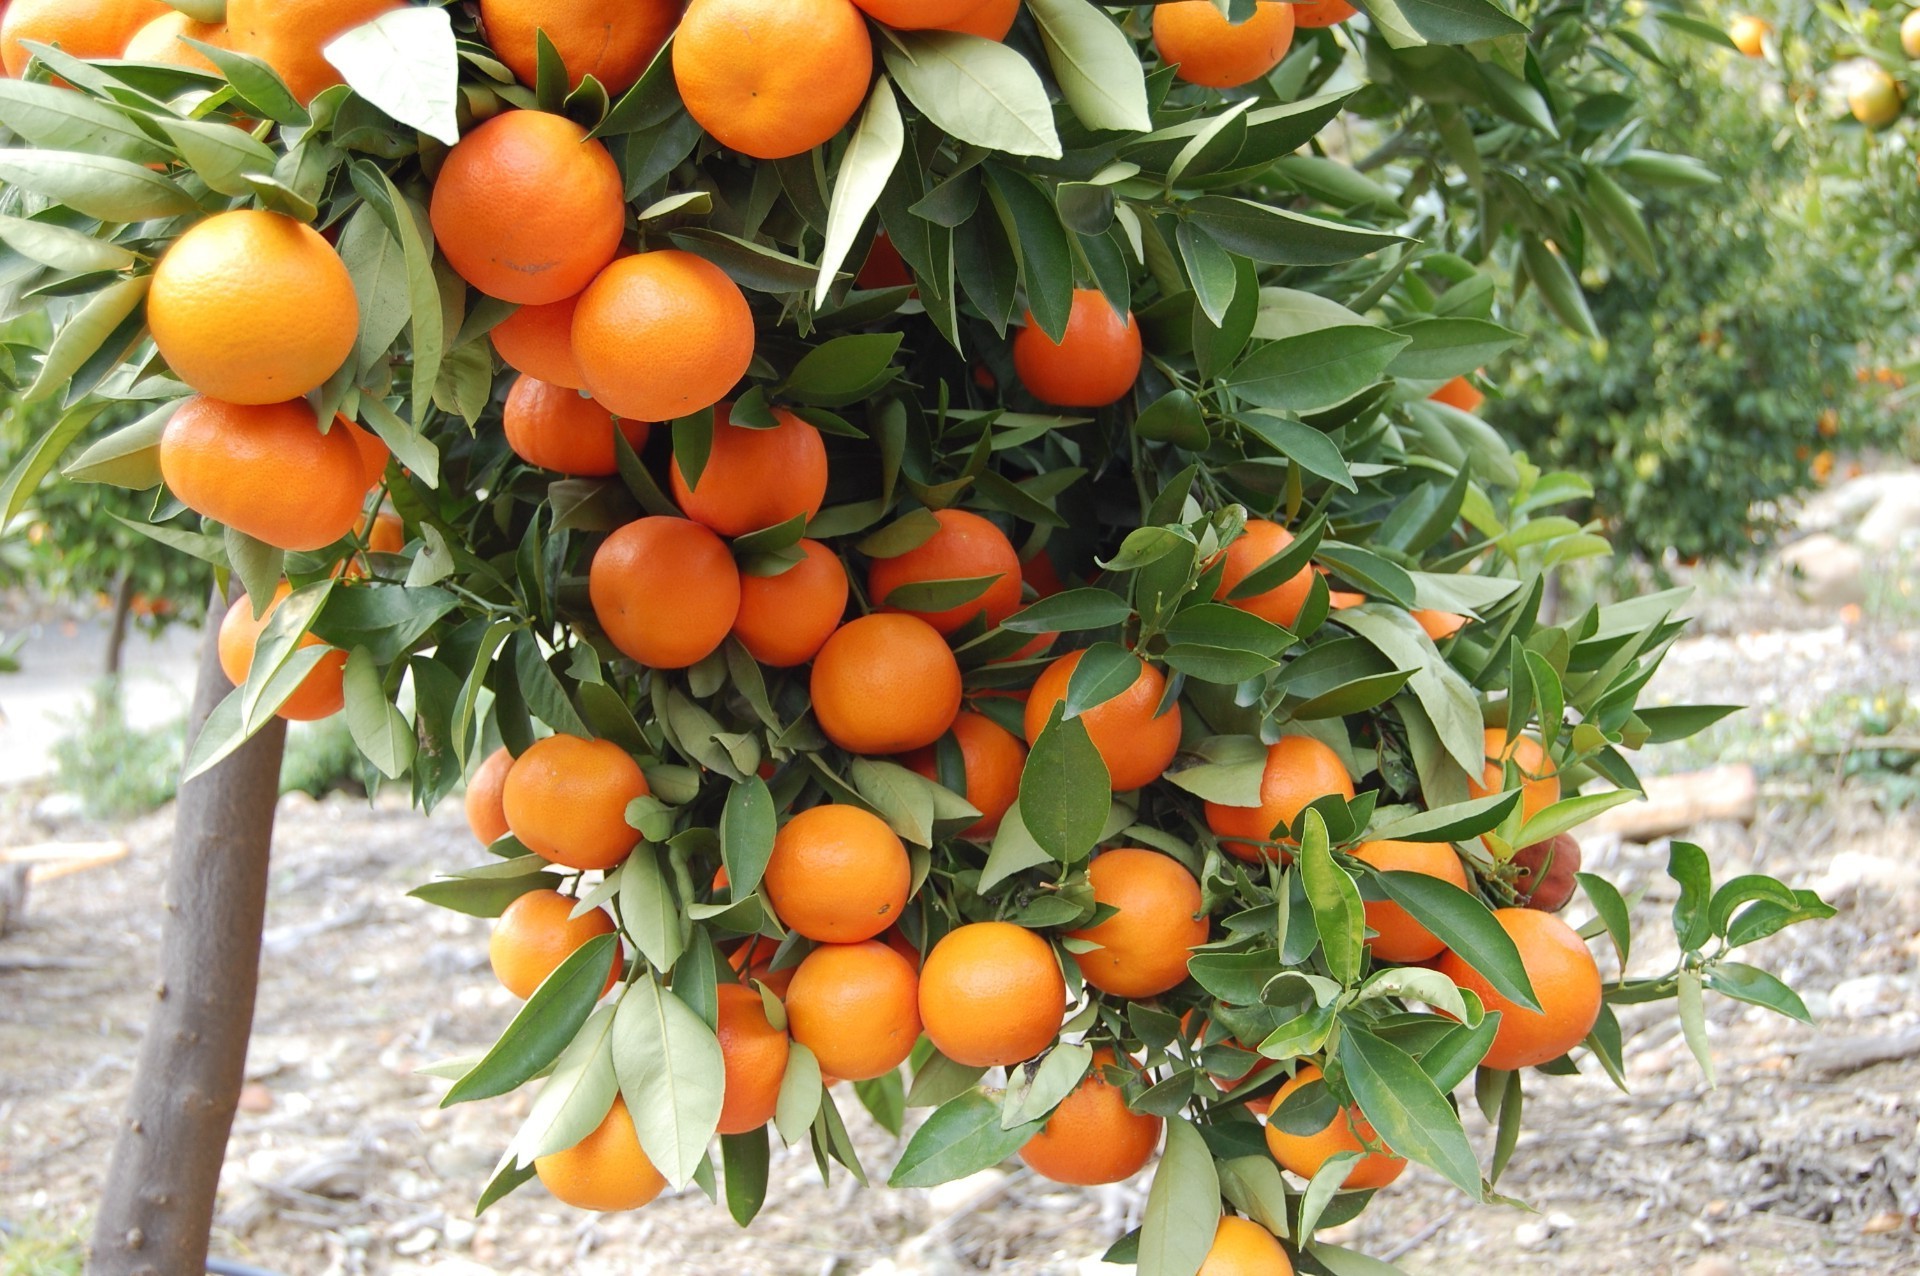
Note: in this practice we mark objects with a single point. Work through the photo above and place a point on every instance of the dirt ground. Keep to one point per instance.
(1804, 1159)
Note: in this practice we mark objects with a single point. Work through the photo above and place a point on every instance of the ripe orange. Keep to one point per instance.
(1092, 1137)
(536, 933)
(1749, 35)
(885, 684)
(319, 695)
(559, 429)
(611, 40)
(756, 1059)
(993, 758)
(772, 79)
(1321, 13)
(1241, 1247)
(1135, 744)
(752, 959)
(604, 1171)
(1539, 778)
(1206, 49)
(162, 41)
(527, 208)
(1095, 362)
(755, 479)
(856, 1007)
(373, 452)
(1875, 97)
(253, 307)
(1398, 936)
(662, 334)
(1144, 946)
(966, 547)
(566, 800)
(538, 341)
(666, 591)
(290, 36)
(83, 28)
(1459, 393)
(1299, 770)
(917, 15)
(1910, 33)
(1260, 543)
(486, 813)
(838, 874)
(1348, 1131)
(784, 620)
(266, 471)
(1439, 625)
(1566, 983)
(991, 19)
(991, 993)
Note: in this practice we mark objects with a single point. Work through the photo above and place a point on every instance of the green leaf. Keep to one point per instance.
(1402, 1103)
(62, 248)
(482, 896)
(1688, 866)
(1065, 792)
(1757, 988)
(1095, 64)
(39, 458)
(380, 731)
(671, 1074)
(551, 1018)
(1034, 1089)
(748, 825)
(1442, 692)
(1559, 288)
(1183, 1206)
(1666, 723)
(1106, 670)
(405, 63)
(1277, 237)
(87, 333)
(1570, 813)
(648, 910)
(1454, 21)
(1337, 910)
(844, 369)
(1070, 611)
(1455, 823)
(800, 1094)
(1693, 1021)
(870, 158)
(1442, 348)
(257, 84)
(745, 1158)
(1175, 417)
(1315, 370)
(1467, 927)
(1254, 1185)
(1013, 850)
(979, 91)
(98, 186)
(1305, 446)
(221, 154)
(963, 1136)
(58, 119)
(576, 1097)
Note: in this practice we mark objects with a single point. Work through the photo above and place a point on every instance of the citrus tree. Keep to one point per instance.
(922, 529)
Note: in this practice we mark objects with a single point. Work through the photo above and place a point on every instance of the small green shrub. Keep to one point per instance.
(119, 771)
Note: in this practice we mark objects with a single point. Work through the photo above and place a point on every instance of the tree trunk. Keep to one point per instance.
(158, 1206)
(117, 636)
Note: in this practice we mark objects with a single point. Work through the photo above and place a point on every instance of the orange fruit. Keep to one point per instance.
(772, 79)
(1135, 744)
(1398, 937)
(755, 479)
(1459, 393)
(162, 41)
(528, 209)
(784, 620)
(290, 36)
(856, 1007)
(611, 40)
(384, 533)
(1749, 35)
(264, 470)
(885, 684)
(84, 28)
(1259, 544)
(1910, 34)
(838, 874)
(604, 1171)
(884, 266)
(1439, 625)
(566, 800)
(990, 20)
(253, 307)
(1566, 983)
(666, 591)
(538, 341)
(965, 547)
(560, 429)
(991, 993)
(1095, 362)
(755, 1053)
(662, 334)
(1241, 1247)
(1539, 778)
(1321, 13)
(536, 933)
(373, 452)
(1348, 1131)
(1145, 945)
(321, 694)
(486, 811)
(917, 15)
(1875, 97)
(993, 758)
(1204, 48)
(752, 959)
(1093, 1137)
(1299, 770)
